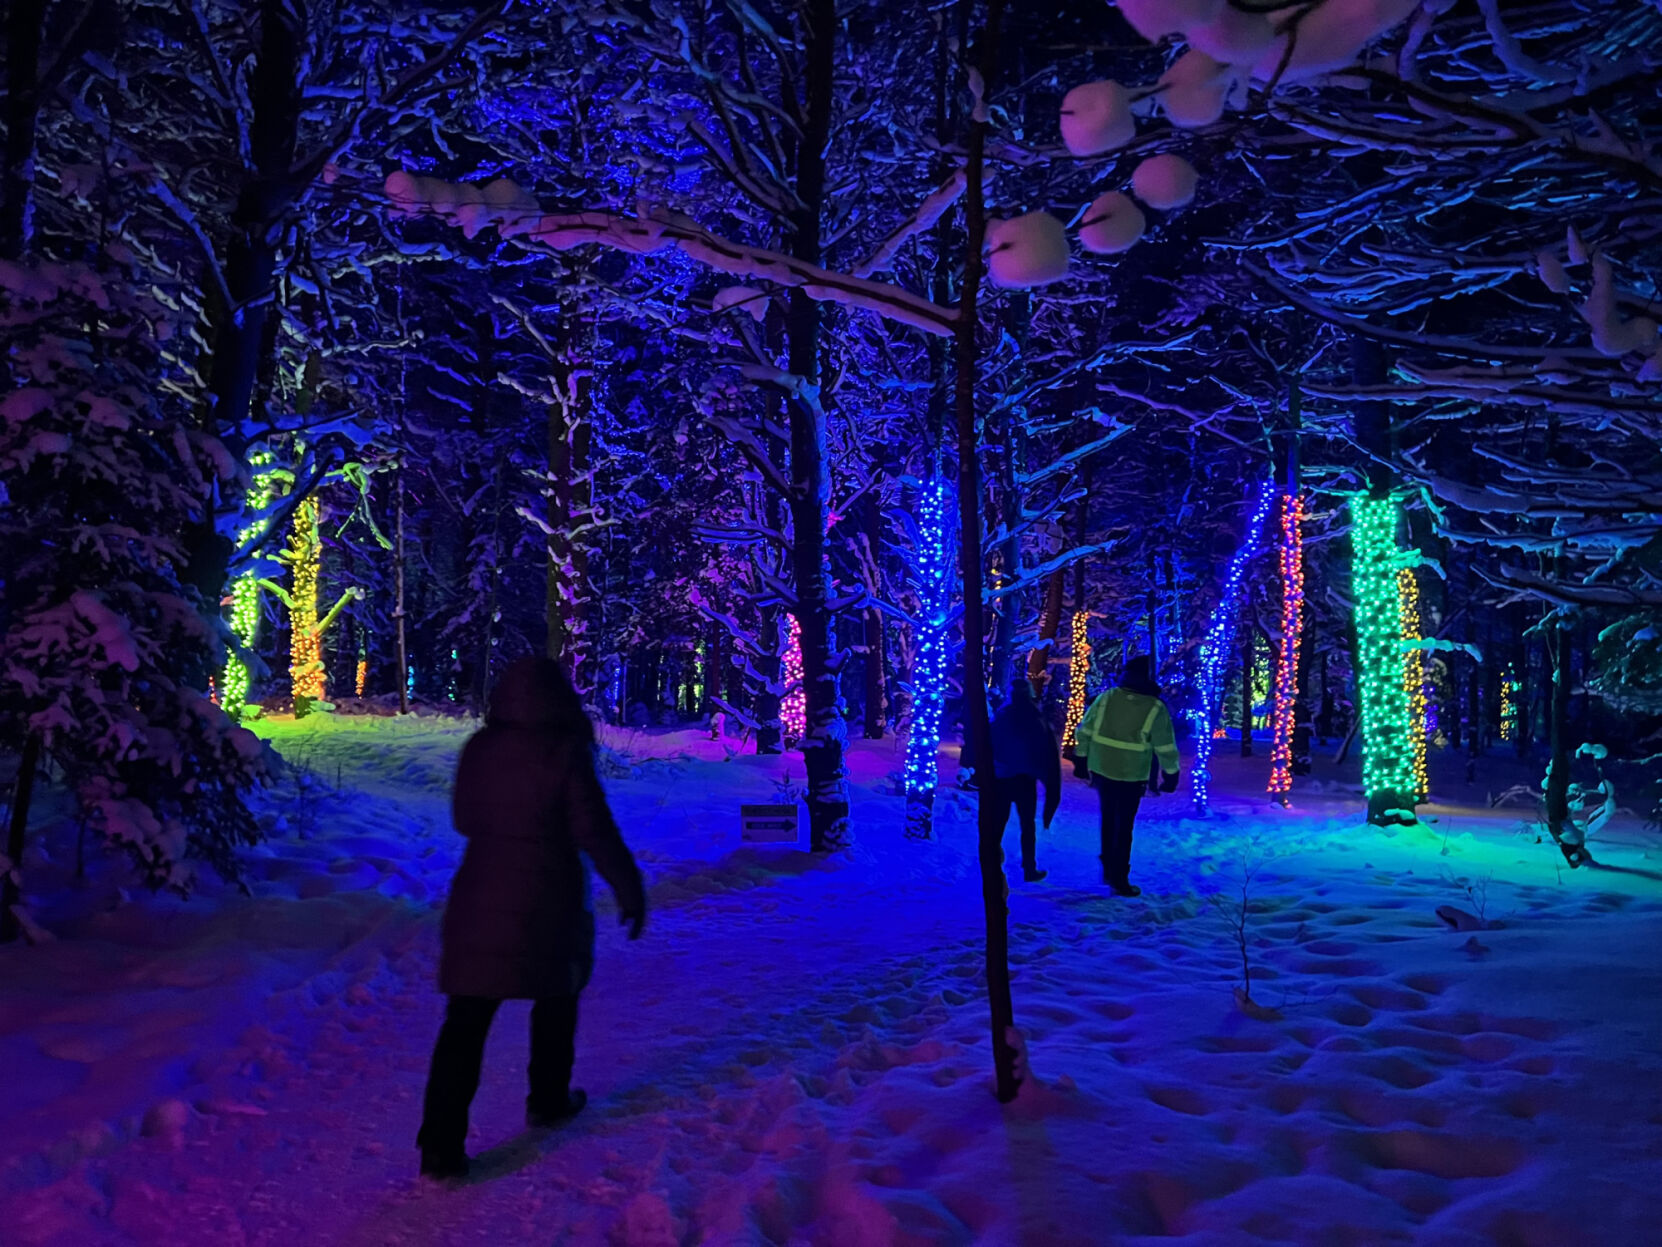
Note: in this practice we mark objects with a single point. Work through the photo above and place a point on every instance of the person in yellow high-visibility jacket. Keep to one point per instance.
(1126, 730)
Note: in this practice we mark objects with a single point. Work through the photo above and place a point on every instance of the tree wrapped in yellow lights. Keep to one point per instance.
(1413, 677)
(304, 558)
(1079, 666)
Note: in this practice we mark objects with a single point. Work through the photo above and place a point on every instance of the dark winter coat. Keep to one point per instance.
(519, 922)
(1023, 744)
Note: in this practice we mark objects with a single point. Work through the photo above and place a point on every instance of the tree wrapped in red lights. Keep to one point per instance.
(1290, 556)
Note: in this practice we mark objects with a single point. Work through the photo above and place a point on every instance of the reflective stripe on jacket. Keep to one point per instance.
(1122, 731)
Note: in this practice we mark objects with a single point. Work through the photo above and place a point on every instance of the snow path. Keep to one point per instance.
(795, 1051)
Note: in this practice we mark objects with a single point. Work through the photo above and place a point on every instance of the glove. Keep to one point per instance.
(632, 916)
(1168, 781)
(1080, 769)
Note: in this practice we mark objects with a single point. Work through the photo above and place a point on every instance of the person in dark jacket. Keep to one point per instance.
(1024, 756)
(519, 925)
(1125, 734)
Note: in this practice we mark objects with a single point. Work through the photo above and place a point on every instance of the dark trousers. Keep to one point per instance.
(460, 1051)
(1118, 800)
(1021, 791)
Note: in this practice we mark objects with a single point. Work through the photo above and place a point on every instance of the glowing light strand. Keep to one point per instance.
(245, 596)
(1387, 754)
(305, 632)
(1079, 667)
(1291, 560)
(1413, 678)
(929, 676)
(793, 706)
(1216, 645)
(1508, 704)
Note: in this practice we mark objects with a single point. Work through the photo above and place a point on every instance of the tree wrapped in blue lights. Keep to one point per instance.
(1387, 747)
(933, 575)
(1217, 645)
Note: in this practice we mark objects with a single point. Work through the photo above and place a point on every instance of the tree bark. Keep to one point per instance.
(237, 331)
(827, 733)
(23, 792)
(398, 581)
(1248, 647)
(25, 19)
(1050, 622)
(570, 502)
(990, 826)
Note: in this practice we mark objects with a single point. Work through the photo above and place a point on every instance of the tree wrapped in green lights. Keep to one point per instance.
(1387, 747)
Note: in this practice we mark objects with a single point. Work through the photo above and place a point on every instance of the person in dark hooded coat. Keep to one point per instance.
(519, 925)
(1025, 756)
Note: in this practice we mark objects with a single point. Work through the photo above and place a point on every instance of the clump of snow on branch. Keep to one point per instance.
(1096, 118)
(1234, 37)
(1029, 250)
(1155, 19)
(1113, 223)
(1165, 181)
(744, 298)
(1329, 37)
(1196, 88)
(653, 229)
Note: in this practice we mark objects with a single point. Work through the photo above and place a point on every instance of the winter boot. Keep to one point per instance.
(1126, 889)
(1034, 874)
(443, 1166)
(547, 1116)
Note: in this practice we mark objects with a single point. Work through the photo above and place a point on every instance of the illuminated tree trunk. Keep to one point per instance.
(1387, 752)
(1413, 679)
(1007, 1077)
(931, 641)
(306, 673)
(1285, 702)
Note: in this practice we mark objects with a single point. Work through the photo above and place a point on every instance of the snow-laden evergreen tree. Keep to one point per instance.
(101, 478)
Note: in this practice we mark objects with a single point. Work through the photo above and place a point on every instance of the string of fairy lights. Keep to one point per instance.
(1387, 751)
(1079, 667)
(1290, 556)
(305, 551)
(1413, 678)
(1509, 704)
(245, 593)
(1216, 646)
(929, 681)
(793, 706)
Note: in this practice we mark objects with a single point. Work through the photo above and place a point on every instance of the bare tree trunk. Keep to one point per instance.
(23, 793)
(991, 830)
(1050, 621)
(827, 734)
(239, 329)
(398, 584)
(25, 20)
(570, 502)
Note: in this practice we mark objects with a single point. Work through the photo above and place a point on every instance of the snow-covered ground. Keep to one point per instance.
(795, 1052)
